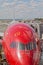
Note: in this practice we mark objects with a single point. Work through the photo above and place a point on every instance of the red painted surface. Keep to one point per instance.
(16, 43)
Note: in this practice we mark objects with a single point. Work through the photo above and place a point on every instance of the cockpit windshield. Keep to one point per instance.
(22, 46)
(28, 46)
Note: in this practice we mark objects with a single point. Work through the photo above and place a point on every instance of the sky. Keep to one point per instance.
(21, 9)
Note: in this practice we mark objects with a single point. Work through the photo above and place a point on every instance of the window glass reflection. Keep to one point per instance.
(21, 46)
(13, 45)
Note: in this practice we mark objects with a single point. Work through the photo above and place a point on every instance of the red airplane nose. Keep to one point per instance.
(19, 44)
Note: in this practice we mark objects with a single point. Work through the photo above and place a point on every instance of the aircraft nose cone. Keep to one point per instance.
(25, 58)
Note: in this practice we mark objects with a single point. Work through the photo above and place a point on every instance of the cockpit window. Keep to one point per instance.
(21, 46)
(29, 46)
(13, 45)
